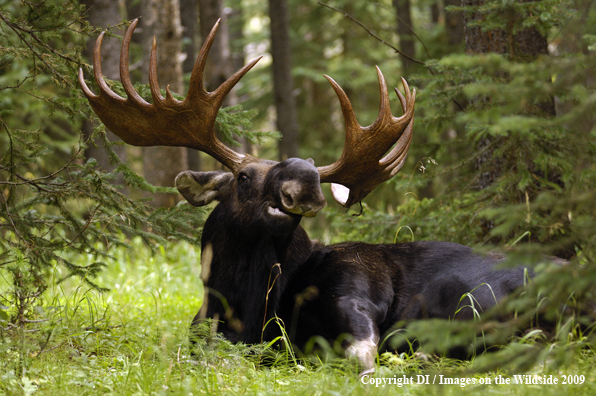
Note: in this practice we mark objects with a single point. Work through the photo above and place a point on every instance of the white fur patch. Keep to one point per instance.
(365, 352)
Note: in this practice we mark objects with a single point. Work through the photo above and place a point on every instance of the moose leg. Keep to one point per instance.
(358, 321)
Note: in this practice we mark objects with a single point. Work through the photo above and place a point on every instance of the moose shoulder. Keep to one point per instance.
(262, 262)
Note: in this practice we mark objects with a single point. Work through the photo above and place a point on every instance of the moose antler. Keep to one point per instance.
(191, 122)
(363, 164)
(168, 121)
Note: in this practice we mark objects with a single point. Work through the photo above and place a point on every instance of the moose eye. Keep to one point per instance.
(242, 177)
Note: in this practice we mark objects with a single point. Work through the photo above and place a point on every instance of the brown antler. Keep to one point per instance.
(166, 122)
(361, 166)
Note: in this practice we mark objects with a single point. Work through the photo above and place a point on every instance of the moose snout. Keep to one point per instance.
(302, 199)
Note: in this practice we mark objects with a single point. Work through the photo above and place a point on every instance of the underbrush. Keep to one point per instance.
(133, 339)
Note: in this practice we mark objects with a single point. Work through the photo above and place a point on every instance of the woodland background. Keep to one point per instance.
(502, 157)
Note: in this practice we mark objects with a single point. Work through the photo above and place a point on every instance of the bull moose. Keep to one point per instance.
(262, 262)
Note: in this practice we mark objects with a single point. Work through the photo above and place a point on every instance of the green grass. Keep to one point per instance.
(132, 340)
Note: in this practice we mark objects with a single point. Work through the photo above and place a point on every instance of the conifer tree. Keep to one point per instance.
(54, 201)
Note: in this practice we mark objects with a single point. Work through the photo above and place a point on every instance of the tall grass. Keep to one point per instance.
(133, 340)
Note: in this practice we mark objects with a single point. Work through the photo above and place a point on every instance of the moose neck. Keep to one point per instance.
(252, 269)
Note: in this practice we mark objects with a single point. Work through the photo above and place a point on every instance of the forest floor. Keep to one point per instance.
(133, 340)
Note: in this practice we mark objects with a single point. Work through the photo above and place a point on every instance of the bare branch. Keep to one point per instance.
(85, 227)
(372, 34)
(406, 25)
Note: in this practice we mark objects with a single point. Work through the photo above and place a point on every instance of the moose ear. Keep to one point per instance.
(200, 188)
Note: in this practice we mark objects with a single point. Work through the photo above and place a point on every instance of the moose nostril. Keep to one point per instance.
(298, 199)
(290, 191)
(288, 200)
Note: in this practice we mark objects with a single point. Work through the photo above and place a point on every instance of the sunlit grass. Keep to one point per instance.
(134, 340)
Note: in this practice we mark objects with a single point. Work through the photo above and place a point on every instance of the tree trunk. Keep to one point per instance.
(454, 24)
(104, 13)
(189, 17)
(406, 40)
(219, 63)
(162, 19)
(526, 44)
(436, 11)
(236, 43)
(217, 68)
(285, 103)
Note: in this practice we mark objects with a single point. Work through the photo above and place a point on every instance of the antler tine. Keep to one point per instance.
(395, 160)
(196, 89)
(401, 98)
(224, 89)
(410, 97)
(97, 73)
(153, 83)
(364, 162)
(84, 86)
(103, 87)
(124, 73)
(400, 151)
(351, 123)
(384, 107)
(195, 86)
(166, 122)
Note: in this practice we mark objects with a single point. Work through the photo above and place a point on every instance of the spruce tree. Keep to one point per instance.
(54, 201)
